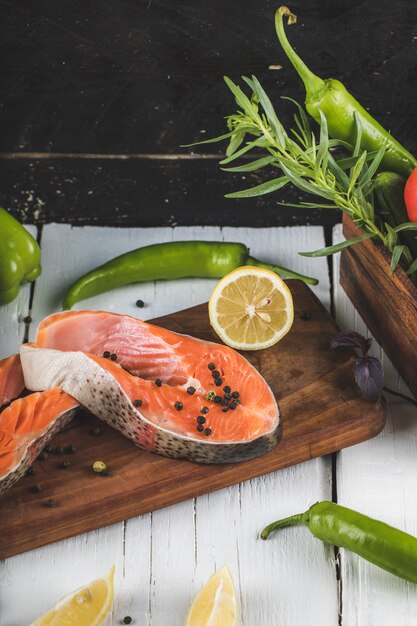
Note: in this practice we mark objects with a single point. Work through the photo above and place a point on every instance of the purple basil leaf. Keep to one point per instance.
(369, 375)
(351, 339)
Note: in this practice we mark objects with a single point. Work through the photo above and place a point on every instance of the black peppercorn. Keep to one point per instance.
(211, 366)
(207, 431)
(138, 403)
(36, 488)
(31, 471)
(235, 394)
(178, 406)
(205, 410)
(70, 449)
(200, 428)
(191, 390)
(106, 354)
(201, 419)
(113, 357)
(51, 503)
(59, 450)
(218, 382)
(127, 620)
(140, 304)
(158, 382)
(64, 465)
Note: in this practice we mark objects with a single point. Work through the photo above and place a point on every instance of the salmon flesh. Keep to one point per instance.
(171, 394)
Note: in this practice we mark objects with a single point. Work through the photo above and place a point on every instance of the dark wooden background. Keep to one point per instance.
(96, 99)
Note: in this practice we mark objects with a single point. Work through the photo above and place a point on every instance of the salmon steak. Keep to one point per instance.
(28, 423)
(170, 393)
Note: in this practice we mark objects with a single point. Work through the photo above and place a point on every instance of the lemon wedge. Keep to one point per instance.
(87, 606)
(251, 308)
(215, 604)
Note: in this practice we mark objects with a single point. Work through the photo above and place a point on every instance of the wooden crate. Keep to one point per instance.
(387, 302)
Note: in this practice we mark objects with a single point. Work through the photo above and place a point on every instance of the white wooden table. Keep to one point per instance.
(163, 558)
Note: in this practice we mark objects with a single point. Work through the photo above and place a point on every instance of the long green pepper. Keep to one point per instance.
(166, 261)
(391, 549)
(340, 109)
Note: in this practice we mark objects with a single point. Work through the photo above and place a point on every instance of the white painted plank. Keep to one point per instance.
(163, 558)
(378, 478)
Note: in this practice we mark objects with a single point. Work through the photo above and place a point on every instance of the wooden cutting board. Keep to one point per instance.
(322, 408)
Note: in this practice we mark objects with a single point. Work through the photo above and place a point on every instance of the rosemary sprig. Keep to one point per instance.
(311, 165)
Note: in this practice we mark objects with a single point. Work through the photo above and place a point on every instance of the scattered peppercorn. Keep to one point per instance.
(217, 399)
(31, 471)
(305, 316)
(43, 456)
(99, 466)
(113, 357)
(216, 374)
(65, 465)
(96, 431)
(158, 382)
(27, 319)
(140, 304)
(178, 406)
(200, 428)
(51, 503)
(211, 366)
(232, 405)
(235, 394)
(47, 449)
(106, 354)
(59, 450)
(224, 402)
(210, 395)
(227, 389)
(127, 620)
(227, 396)
(138, 403)
(205, 410)
(191, 390)
(36, 488)
(207, 431)
(70, 449)
(225, 409)
(218, 382)
(105, 472)
(201, 419)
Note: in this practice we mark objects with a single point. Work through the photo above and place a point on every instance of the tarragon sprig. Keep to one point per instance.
(346, 183)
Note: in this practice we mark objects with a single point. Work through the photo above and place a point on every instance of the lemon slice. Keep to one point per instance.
(215, 605)
(251, 308)
(87, 606)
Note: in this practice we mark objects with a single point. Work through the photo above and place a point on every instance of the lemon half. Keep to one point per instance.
(215, 604)
(87, 606)
(251, 308)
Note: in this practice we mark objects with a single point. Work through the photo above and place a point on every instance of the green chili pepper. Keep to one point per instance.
(19, 257)
(341, 109)
(176, 259)
(391, 208)
(377, 542)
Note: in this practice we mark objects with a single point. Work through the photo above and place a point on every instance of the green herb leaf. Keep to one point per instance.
(252, 166)
(412, 268)
(337, 247)
(214, 140)
(396, 256)
(260, 190)
(406, 226)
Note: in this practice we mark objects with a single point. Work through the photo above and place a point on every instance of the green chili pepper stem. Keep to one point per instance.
(313, 84)
(300, 518)
(278, 269)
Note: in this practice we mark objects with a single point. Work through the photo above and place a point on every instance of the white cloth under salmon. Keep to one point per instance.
(182, 397)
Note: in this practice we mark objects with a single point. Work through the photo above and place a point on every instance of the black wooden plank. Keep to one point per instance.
(145, 76)
(142, 192)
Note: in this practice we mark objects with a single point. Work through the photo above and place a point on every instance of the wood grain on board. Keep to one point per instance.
(386, 301)
(322, 411)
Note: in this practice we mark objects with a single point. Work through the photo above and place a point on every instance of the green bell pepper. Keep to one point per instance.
(19, 257)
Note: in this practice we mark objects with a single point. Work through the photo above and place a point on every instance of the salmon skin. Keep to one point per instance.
(182, 397)
(26, 426)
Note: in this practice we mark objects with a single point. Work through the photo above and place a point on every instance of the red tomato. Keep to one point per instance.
(410, 196)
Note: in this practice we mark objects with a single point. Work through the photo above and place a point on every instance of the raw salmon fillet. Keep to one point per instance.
(27, 424)
(161, 390)
(11, 379)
